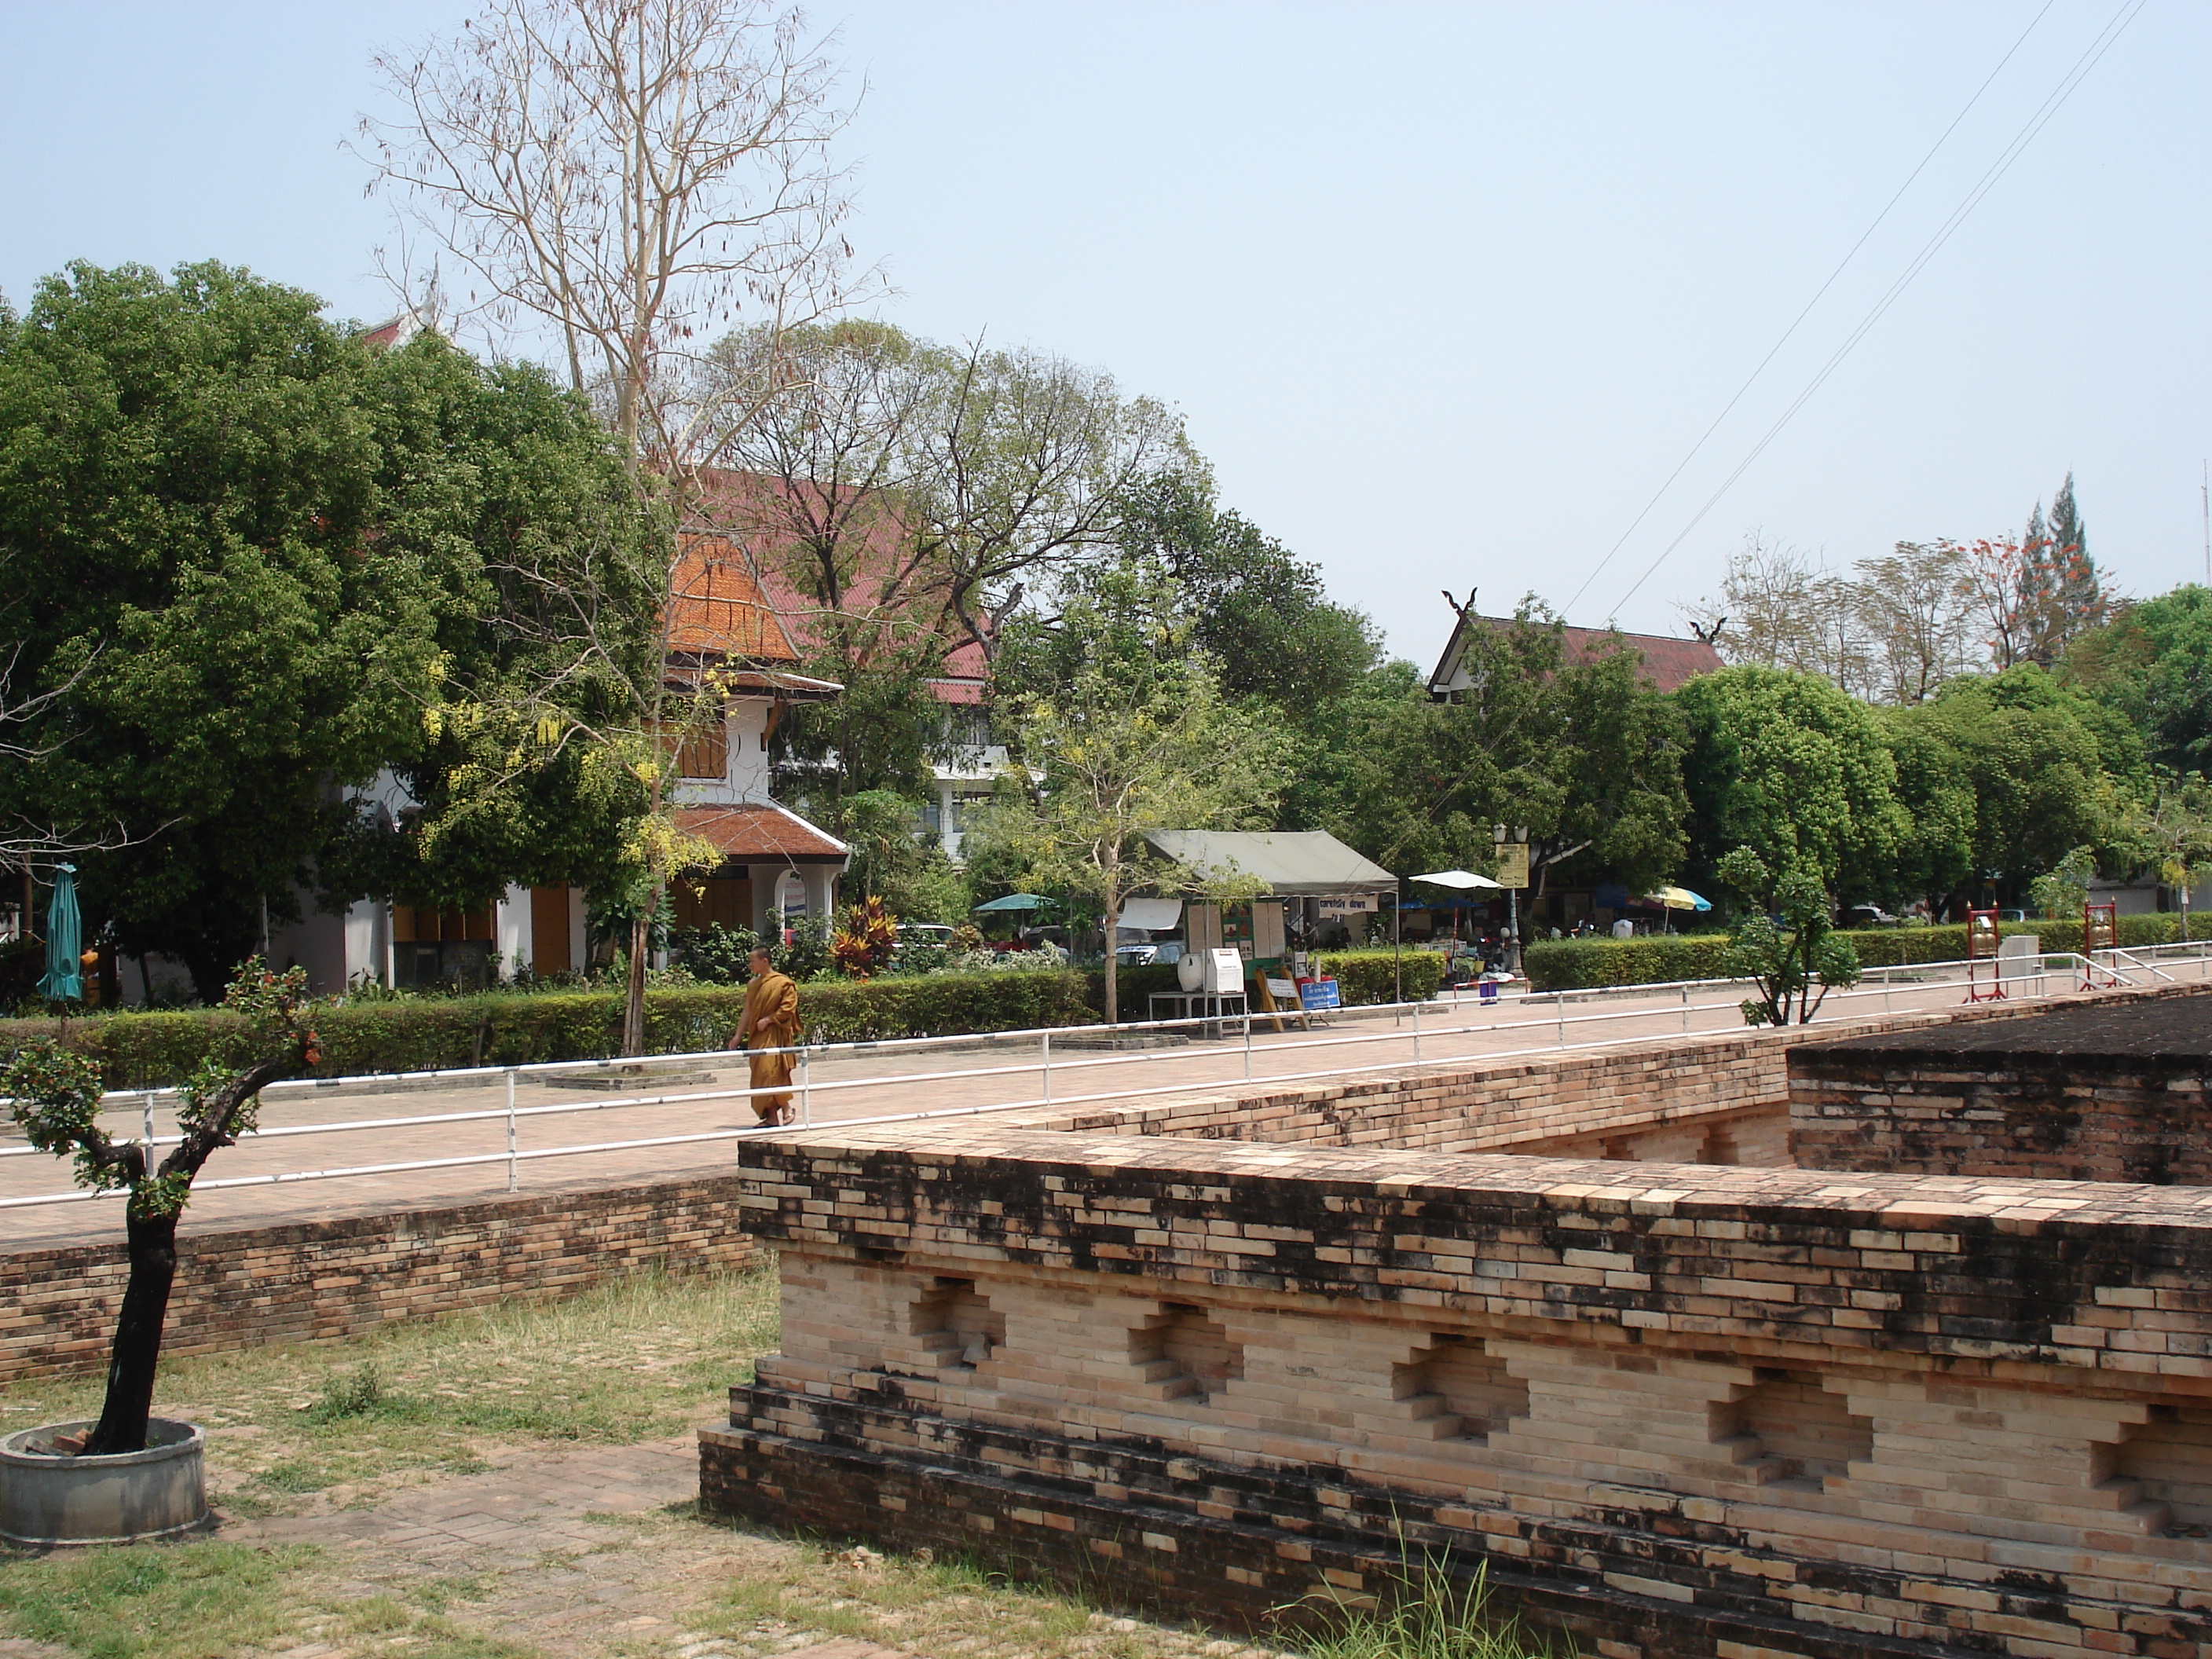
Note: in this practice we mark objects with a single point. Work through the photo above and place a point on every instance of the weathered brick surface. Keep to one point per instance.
(1685, 1409)
(2103, 1091)
(332, 1278)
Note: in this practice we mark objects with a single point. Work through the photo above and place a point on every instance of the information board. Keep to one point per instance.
(1314, 995)
(1513, 864)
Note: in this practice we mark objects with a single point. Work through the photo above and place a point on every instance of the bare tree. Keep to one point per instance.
(1025, 465)
(1910, 607)
(633, 177)
(630, 179)
(1772, 601)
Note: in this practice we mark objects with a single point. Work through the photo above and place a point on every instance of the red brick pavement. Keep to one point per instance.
(845, 1084)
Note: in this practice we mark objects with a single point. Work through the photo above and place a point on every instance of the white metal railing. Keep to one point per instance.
(1410, 1023)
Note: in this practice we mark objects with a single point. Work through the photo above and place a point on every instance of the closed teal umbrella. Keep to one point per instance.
(65, 980)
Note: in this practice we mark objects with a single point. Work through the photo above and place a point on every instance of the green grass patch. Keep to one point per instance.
(1426, 1613)
(202, 1601)
(644, 1357)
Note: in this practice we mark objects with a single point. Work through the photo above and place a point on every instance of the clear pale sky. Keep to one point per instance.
(1444, 292)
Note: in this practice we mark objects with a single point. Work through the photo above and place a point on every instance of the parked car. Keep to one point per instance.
(922, 941)
(1870, 915)
(1161, 952)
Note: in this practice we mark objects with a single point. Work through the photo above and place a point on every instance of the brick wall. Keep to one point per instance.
(2108, 1090)
(311, 1281)
(1677, 1410)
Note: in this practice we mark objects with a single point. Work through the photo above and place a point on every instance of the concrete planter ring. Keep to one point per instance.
(49, 1499)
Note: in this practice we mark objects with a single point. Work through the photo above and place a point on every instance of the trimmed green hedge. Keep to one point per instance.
(1364, 978)
(149, 1050)
(1568, 964)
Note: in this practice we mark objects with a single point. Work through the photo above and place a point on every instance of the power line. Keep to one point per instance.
(2049, 108)
(1786, 333)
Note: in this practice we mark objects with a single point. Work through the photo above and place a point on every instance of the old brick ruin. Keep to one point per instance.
(1231, 1357)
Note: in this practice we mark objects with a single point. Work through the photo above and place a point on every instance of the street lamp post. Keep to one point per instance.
(1512, 862)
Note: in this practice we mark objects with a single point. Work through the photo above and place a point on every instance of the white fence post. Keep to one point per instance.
(513, 1184)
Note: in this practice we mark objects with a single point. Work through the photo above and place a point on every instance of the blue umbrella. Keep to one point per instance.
(65, 980)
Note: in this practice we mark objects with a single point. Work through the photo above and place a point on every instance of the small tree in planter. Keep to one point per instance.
(1794, 965)
(57, 1101)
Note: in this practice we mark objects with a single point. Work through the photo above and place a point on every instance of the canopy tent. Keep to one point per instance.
(1018, 902)
(1459, 878)
(1153, 914)
(1288, 864)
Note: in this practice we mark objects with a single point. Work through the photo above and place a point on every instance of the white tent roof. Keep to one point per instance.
(1298, 864)
(1150, 912)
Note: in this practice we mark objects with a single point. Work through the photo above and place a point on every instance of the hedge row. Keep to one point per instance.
(1363, 979)
(1566, 964)
(152, 1050)
(149, 1050)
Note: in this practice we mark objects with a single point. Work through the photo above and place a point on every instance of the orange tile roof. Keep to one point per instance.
(717, 608)
(763, 831)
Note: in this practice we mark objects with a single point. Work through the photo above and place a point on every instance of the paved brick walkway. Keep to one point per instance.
(868, 1083)
(577, 1553)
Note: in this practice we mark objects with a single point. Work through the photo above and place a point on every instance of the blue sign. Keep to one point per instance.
(1316, 994)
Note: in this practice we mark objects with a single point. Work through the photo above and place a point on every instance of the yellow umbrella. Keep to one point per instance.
(1678, 898)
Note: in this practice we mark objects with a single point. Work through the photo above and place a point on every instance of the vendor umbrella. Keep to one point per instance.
(1018, 902)
(1677, 898)
(65, 980)
(1459, 878)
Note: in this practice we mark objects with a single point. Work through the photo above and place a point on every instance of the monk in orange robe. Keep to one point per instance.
(770, 1021)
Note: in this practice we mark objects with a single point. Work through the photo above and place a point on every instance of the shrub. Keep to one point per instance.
(153, 1050)
(1364, 978)
(1569, 964)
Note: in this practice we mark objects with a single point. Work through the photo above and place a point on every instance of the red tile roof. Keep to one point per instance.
(883, 594)
(717, 608)
(761, 831)
(1669, 663)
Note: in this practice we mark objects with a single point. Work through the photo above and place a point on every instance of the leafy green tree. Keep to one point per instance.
(1138, 737)
(2152, 666)
(2047, 770)
(56, 1096)
(1794, 961)
(1263, 615)
(2171, 831)
(915, 880)
(1583, 754)
(196, 537)
(1792, 769)
(1936, 854)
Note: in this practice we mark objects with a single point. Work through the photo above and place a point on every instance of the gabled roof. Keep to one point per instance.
(734, 498)
(1288, 864)
(1669, 663)
(762, 832)
(717, 608)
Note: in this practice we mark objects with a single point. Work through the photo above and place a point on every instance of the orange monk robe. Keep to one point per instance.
(771, 1021)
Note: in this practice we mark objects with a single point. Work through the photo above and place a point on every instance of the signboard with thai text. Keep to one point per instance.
(1513, 864)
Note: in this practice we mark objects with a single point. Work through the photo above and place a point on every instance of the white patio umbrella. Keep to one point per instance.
(1462, 879)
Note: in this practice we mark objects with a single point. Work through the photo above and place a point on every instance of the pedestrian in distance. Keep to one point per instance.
(770, 1023)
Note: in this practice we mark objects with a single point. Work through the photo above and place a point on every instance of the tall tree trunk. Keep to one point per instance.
(137, 1350)
(641, 933)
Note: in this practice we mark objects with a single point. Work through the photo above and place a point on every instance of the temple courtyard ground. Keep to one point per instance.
(518, 1483)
